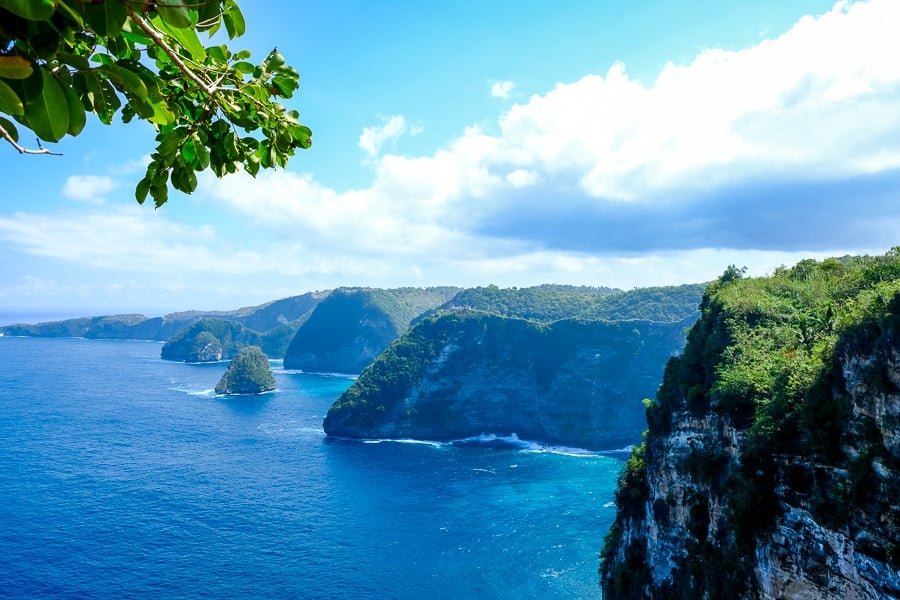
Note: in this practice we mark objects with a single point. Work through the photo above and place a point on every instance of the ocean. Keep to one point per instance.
(122, 476)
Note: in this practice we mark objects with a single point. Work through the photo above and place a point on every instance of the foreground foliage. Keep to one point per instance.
(61, 60)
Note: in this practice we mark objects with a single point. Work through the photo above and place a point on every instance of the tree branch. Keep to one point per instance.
(157, 37)
(22, 149)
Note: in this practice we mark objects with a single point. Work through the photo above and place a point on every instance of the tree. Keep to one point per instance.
(211, 107)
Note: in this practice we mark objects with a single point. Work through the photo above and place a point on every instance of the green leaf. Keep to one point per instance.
(74, 60)
(174, 13)
(14, 67)
(244, 67)
(125, 80)
(151, 82)
(202, 155)
(77, 116)
(302, 134)
(161, 113)
(142, 189)
(188, 151)
(186, 37)
(48, 114)
(234, 19)
(10, 129)
(102, 96)
(208, 16)
(33, 10)
(106, 18)
(10, 103)
(73, 13)
(29, 88)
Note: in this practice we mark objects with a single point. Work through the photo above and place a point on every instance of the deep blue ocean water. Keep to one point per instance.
(122, 477)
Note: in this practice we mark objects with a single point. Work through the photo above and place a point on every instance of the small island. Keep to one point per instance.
(248, 373)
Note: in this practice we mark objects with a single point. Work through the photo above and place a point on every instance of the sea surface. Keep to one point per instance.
(122, 476)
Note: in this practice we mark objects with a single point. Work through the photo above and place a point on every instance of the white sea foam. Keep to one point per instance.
(323, 374)
(276, 390)
(404, 441)
(625, 450)
(191, 392)
(496, 441)
(515, 442)
(491, 440)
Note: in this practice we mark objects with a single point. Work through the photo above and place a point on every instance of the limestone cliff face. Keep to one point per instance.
(576, 383)
(795, 495)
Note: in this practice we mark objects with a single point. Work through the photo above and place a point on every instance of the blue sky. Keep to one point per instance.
(516, 143)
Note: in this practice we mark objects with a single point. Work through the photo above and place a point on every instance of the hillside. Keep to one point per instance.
(463, 373)
(770, 468)
(661, 304)
(537, 303)
(262, 318)
(546, 303)
(352, 326)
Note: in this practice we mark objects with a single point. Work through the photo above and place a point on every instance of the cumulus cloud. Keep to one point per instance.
(90, 189)
(502, 89)
(760, 156)
(373, 138)
(791, 144)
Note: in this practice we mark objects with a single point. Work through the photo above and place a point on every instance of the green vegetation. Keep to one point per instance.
(63, 59)
(248, 373)
(661, 304)
(545, 303)
(538, 303)
(210, 340)
(766, 355)
(352, 326)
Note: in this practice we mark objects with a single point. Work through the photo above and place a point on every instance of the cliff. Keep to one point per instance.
(463, 373)
(352, 326)
(248, 373)
(209, 340)
(770, 468)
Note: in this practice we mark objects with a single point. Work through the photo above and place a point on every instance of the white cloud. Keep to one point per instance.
(523, 202)
(373, 138)
(522, 178)
(818, 103)
(502, 89)
(90, 189)
(817, 100)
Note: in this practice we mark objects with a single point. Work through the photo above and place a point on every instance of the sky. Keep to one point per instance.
(602, 143)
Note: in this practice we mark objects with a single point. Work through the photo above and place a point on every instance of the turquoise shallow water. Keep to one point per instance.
(121, 476)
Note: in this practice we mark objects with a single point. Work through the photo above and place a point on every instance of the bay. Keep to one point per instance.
(122, 476)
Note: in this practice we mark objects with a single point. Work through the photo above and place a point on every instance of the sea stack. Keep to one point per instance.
(248, 373)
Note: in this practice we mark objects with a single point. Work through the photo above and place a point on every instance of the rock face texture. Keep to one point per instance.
(770, 468)
(463, 373)
(354, 325)
(248, 373)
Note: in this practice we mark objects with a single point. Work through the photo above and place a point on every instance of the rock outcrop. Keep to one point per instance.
(770, 468)
(463, 373)
(248, 373)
